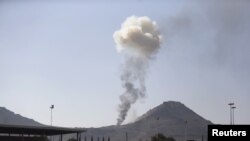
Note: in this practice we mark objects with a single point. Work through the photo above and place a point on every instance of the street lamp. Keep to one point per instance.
(231, 104)
(233, 113)
(185, 134)
(51, 107)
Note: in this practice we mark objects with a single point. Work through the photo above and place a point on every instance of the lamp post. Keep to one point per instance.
(233, 113)
(51, 108)
(185, 134)
(231, 105)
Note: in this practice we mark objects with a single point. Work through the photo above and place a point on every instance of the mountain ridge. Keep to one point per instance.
(9, 117)
(171, 108)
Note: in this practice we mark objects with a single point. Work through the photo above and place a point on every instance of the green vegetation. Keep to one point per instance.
(161, 137)
(72, 139)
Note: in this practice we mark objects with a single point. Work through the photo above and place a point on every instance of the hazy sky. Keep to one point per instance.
(63, 53)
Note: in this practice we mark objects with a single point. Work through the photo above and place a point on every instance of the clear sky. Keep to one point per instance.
(63, 53)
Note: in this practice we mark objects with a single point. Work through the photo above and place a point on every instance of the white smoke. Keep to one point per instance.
(138, 40)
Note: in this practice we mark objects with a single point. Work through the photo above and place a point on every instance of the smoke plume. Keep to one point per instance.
(138, 41)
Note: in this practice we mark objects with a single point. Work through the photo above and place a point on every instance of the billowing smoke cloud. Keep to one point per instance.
(138, 40)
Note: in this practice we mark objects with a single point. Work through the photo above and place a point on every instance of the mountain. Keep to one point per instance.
(171, 118)
(9, 117)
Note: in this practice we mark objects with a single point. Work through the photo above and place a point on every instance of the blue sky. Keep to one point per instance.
(63, 53)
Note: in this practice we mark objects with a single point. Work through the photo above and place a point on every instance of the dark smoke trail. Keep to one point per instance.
(132, 77)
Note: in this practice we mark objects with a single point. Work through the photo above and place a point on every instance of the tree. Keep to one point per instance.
(72, 139)
(161, 137)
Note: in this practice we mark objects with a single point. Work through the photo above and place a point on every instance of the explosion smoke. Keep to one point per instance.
(138, 40)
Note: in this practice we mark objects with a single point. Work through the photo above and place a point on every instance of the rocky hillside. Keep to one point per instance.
(170, 118)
